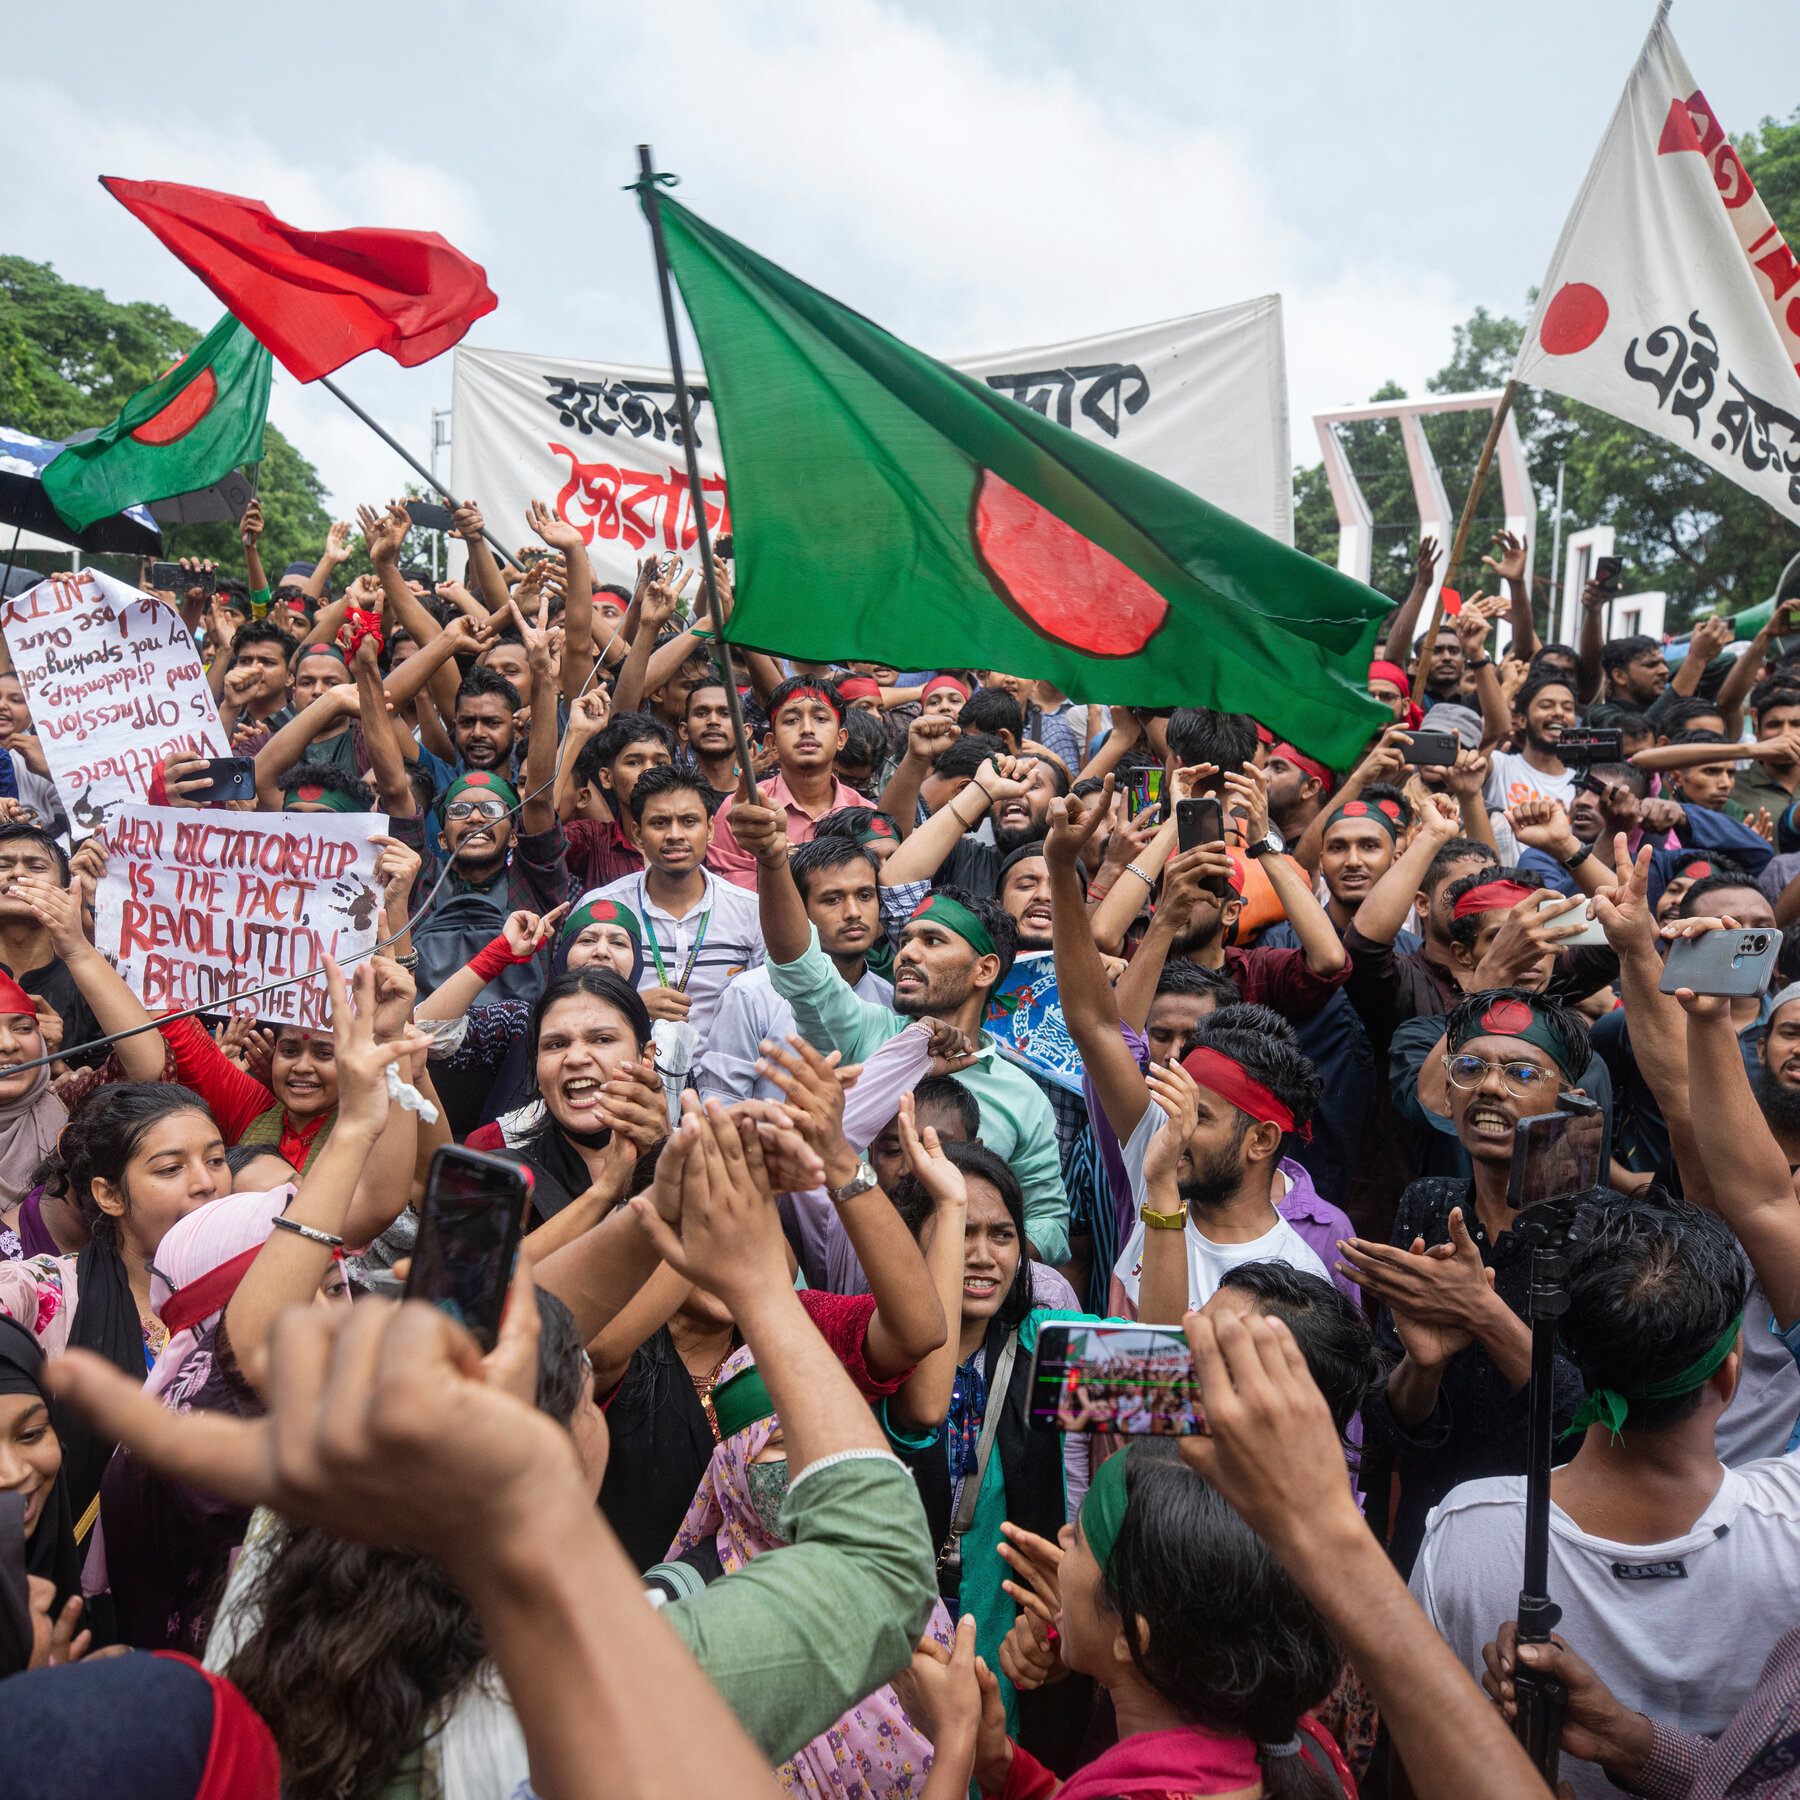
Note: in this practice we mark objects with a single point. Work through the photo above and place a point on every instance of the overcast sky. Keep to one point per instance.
(974, 177)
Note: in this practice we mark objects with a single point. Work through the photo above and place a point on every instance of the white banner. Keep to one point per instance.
(115, 685)
(1202, 400)
(198, 907)
(1673, 301)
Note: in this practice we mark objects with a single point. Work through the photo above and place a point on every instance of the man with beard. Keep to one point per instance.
(1453, 1278)
(1014, 792)
(806, 720)
(1297, 789)
(483, 724)
(839, 887)
(1546, 703)
(954, 952)
(707, 734)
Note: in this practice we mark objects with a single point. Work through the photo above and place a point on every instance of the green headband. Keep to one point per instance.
(488, 784)
(1514, 1017)
(954, 916)
(1103, 1510)
(308, 794)
(743, 1401)
(1607, 1406)
(601, 912)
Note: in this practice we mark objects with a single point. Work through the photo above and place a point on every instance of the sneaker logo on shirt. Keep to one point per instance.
(1652, 1571)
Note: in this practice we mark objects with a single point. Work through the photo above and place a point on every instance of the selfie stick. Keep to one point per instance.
(646, 185)
(412, 462)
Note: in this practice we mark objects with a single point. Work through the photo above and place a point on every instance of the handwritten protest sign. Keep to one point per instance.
(115, 685)
(199, 907)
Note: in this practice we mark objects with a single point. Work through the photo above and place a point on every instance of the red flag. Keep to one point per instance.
(316, 298)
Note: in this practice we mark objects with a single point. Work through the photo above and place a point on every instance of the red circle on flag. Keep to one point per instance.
(1573, 319)
(182, 413)
(1506, 1018)
(1059, 582)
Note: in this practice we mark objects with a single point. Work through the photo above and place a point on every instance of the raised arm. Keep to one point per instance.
(1319, 941)
(1387, 903)
(923, 854)
(1085, 993)
(1472, 626)
(924, 1402)
(578, 596)
(1740, 678)
(1509, 566)
(1398, 648)
(337, 550)
(762, 830)
(1386, 761)
(1589, 643)
(289, 744)
(655, 605)
(114, 1006)
(926, 738)
(384, 534)
(490, 584)
(1163, 1281)
(538, 809)
(380, 736)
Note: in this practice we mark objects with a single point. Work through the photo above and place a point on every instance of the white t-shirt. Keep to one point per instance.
(1760, 1419)
(1512, 781)
(1678, 1630)
(1207, 1261)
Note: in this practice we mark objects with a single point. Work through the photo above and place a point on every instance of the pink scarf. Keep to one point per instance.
(874, 1752)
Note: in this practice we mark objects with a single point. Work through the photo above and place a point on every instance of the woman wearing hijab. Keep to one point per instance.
(873, 1752)
(31, 1458)
(597, 934)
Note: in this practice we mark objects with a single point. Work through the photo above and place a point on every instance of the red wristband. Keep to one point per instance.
(357, 626)
(494, 959)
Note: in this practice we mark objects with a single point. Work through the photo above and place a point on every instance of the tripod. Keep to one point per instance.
(1552, 1228)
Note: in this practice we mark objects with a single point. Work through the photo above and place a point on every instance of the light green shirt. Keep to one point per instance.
(799, 1635)
(1016, 1121)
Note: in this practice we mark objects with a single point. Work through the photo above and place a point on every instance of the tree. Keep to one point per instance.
(1679, 526)
(70, 358)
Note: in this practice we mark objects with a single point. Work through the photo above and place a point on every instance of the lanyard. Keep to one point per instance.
(687, 968)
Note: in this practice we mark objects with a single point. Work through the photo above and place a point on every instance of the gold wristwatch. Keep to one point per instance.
(1162, 1221)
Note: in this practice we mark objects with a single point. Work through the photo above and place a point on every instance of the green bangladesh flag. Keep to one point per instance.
(886, 507)
(192, 425)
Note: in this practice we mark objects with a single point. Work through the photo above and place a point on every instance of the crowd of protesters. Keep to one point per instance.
(840, 1078)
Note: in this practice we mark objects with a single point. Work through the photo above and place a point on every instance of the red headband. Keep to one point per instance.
(818, 694)
(1492, 896)
(1317, 770)
(1387, 671)
(14, 999)
(859, 687)
(942, 681)
(1230, 1080)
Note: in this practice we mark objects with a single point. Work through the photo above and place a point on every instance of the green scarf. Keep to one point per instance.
(1103, 1508)
(742, 1402)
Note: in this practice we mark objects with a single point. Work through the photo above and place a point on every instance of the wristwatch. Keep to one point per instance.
(859, 1183)
(1581, 854)
(1162, 1221)
(1475, 668)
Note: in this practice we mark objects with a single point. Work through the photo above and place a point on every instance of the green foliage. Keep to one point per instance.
(1680, 527)
(70, 359)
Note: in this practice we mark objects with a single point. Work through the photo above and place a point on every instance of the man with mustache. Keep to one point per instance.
(806, 720)
(1014, 793)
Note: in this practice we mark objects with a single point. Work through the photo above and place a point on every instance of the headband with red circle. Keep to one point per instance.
(1385, 813)
(1492, 896)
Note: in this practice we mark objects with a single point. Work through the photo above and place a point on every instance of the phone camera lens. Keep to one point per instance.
(1759, 942)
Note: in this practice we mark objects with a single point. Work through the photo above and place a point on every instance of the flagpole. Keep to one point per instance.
(1462, 537)
(646, 186)
(413, 462)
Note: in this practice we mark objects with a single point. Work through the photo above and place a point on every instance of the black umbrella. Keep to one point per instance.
(26, 507)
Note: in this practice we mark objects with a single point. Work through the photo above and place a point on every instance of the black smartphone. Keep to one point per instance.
(1606, 572)
(1137, 1380)
(1433, 749)
(1557, 1153)
(429, 516)
(1198, 822)
(172, 578)
(1145, 789)
(470, 1222)
(231, 778)
(1585, 748)
(1738, 963)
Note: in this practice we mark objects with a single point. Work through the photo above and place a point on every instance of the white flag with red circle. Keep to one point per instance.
(1673, 301)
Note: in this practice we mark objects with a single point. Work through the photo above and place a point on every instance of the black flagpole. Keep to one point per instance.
(411, 461)
(646, 187)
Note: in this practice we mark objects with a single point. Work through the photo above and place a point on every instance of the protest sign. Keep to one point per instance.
(115, 685)
(198, 907)
(1201, 400)
(1669, 301)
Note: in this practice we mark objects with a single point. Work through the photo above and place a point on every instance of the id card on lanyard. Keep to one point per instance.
(656, 955)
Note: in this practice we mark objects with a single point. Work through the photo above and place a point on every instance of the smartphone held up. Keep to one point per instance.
(1137, 1380)
(470, 1222)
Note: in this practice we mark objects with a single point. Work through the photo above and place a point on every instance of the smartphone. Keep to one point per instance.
(429, 516)
(470, 1222)
(232, 778)
(1433, 749)
(1557, 1153)
(1137, 1380)
(1585, 748)
(1590, 932)
(1738, 963)
(1145, 790)
(172, 578)
(1606, 572)
(1198, 822)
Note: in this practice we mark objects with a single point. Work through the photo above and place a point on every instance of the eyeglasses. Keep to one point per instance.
(1521, 1079)
(475, 809)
